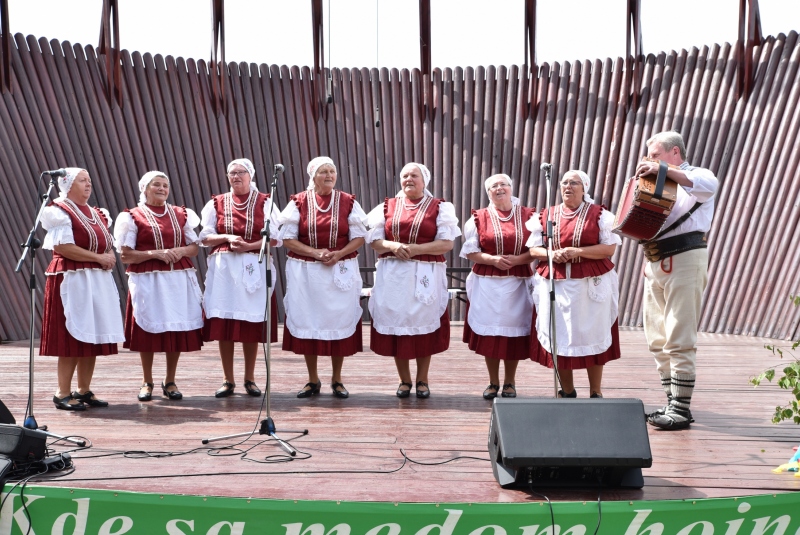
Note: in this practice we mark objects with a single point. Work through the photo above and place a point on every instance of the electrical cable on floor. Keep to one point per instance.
(268, 460)
(549, 503)
(409, 459)
(21, 472)
(214, 474)
(226, 451)
(599, 508)
(222, 451)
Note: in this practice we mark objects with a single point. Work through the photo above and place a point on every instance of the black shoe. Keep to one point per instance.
(403, 393)
(148, 395)
(171, 394)
(311, 389)
(571, 395)
(511, 394)
(89, 399)
(672, 419)
(596, 395)
(424, 394)
(252, 389)
(341, 394)
(225, 390)
(64, 404)
(491, 391)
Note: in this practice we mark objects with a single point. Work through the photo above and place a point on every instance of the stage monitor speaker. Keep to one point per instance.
(5, 415)
(21, 444)
(569, 442)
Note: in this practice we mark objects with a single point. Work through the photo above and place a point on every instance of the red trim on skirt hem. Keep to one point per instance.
(247, 332)
(137, 339)
(496, 347)
(344, 347)
(411, 347)
(55, 339)
(543, 357)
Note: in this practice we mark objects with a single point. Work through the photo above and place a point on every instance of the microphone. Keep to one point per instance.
(546, 167)
(56, 172)
(278, 168)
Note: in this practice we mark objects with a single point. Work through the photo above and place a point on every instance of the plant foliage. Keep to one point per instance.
(787, 381)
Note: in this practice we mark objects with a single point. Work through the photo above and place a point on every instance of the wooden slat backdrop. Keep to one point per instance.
(484, 120)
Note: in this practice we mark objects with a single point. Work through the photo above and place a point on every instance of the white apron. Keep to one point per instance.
(166, 301)
(91, 306)
(409, 297)
(322, 302)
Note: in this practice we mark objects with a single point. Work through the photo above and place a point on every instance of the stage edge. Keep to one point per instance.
(63, 511)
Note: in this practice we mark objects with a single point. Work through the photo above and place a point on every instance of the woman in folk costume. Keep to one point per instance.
(586, 287)
(82, 317)
(236, 288)
(323, 228)
(165, 305)
(497, 325)
(411, 232)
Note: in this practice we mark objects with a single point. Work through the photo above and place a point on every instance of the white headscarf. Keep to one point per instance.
(489, 182)
(426, 176)
(586, 182)
(248, 165)
(314, 165)
(145, 181)
(65, 182)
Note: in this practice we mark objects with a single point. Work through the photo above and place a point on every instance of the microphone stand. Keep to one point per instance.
(548, 234)
(267, 424)
(31, 244)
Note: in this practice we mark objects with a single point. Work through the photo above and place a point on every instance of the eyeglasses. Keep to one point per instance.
(499, 185)
(237, 173)
(572, 183)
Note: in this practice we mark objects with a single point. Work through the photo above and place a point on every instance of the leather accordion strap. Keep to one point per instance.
(675, 224)
(661, 179)
(655, 250)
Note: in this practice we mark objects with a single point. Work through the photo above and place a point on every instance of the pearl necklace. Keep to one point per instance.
(80, 214)
(162, 214)
(570, 215)
(497, 213)
(241, 206)
(315, 204)
(413, 206)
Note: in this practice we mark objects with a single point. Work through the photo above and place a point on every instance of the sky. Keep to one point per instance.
(385, 33)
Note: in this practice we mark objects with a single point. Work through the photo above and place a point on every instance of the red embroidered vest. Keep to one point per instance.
(580, 231)
(154, 233)
(417, 225)
(512, 239)
(89, 235)
(319, 229)
(246, 222)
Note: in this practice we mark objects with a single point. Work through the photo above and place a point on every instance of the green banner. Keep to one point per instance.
(61, 511)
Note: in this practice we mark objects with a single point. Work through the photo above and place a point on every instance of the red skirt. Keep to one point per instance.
(324, 348)
(56, 340)
(137, 339)
(497, 347)
(543, 357)
(247, 332)
(412, 346)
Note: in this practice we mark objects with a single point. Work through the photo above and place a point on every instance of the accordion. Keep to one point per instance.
(645, 204)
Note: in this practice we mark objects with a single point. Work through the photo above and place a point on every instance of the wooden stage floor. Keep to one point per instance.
(353, 449)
